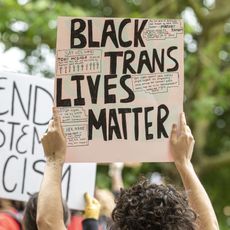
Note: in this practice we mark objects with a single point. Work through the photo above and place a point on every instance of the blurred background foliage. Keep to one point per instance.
(28, 27)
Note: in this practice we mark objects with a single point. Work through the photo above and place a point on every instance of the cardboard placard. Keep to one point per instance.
(119, 85)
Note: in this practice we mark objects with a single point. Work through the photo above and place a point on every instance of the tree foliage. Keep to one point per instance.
(30, 25)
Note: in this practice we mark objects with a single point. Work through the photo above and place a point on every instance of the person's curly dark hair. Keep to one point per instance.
(147, 206)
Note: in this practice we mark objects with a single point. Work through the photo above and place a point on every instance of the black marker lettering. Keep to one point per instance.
(90, 35)
(137, 33)
(16, 91)
(93, 87)
(131, 95)
(4, 175)
(100, 123)
(123, 112)
(35, 166)
(12, 133)
(39, 90)
(144, 61)
(136, 112)
(113, 60)
(109, 33)
(24, 176)
(123, 43)
(113, 128)
(161, 119)
(1, 88)
(156, 59)
(59, 101)
(3, 135)
(17, 143)
(148, 124)
(35, 135)
(109, 98)
(79, 100)
(175, 68)
(128, 59)
(76, 34)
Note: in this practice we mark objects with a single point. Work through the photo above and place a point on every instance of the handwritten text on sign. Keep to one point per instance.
(119, 86)
(25, 110)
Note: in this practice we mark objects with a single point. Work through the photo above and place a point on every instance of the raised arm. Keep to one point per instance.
(50, 207)
(115, 172)
(182, 143)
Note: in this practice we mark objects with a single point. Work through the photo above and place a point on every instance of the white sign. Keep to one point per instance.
(25, 110)
(119, 85)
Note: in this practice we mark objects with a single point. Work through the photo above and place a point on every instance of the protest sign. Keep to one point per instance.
(119, 85)
(25, 110)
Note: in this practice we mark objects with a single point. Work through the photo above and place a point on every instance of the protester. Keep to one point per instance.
(49, 206)
(143, 206)
(149, 206)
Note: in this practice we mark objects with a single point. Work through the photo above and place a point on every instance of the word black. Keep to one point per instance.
(78, 39)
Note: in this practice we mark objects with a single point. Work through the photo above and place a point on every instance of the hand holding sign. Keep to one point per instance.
(182, 142)
(92, 207)
(54, 142)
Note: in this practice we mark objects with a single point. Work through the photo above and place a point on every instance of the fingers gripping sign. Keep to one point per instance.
(173, 137)
(182, 142)
(56, 120)
(54, 142)
(182, 123)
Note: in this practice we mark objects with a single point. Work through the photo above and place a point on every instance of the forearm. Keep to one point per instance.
(198, 197)
(117, 182)
(50, 208)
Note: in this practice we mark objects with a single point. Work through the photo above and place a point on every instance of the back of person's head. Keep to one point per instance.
(146, 206)
(30, 213)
